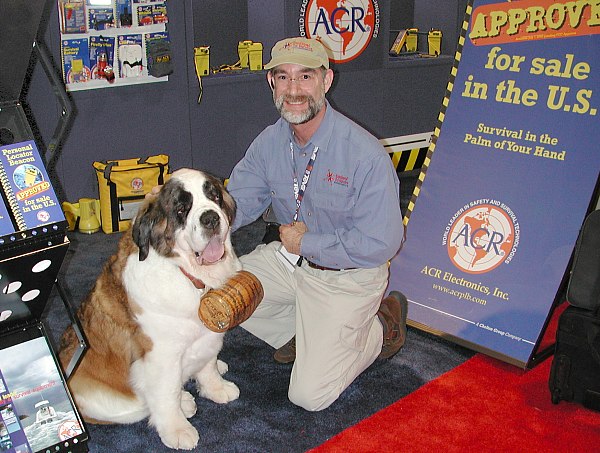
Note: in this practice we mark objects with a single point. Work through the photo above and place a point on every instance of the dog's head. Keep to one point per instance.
(189, 219)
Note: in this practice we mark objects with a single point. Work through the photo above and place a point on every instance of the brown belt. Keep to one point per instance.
(323, 268)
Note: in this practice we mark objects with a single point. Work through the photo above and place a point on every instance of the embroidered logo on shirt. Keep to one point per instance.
(334, 178)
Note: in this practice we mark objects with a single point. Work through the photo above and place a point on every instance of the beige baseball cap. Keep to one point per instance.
(302, 51)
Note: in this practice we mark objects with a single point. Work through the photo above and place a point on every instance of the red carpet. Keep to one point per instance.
(482, 405)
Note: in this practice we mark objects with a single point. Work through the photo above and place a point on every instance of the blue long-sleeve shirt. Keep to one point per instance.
(351, 204)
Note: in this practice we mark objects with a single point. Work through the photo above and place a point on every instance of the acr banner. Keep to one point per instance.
(509, 178)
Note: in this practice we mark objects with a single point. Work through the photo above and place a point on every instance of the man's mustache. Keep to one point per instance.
(299, 98)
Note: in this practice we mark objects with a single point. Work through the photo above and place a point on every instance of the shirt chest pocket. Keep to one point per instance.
(343, 201)
(337, 208)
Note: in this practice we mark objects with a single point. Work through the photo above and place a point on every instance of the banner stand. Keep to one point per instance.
(492, 229)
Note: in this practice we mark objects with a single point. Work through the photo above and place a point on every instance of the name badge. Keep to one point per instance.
(290, 260)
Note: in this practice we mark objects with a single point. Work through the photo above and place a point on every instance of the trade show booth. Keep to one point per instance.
(487, 110)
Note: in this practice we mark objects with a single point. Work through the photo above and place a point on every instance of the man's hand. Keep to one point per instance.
(291, 236)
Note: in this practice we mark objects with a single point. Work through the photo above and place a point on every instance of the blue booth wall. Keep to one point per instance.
(387, 96)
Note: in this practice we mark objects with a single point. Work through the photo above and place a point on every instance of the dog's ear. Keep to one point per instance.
(229, 206)
(147, 222)
(156, 221)
(142, 228)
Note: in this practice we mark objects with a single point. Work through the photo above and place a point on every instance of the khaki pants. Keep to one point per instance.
(332, 314)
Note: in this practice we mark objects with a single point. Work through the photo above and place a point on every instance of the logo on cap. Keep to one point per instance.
(297, 45)
(344, 27)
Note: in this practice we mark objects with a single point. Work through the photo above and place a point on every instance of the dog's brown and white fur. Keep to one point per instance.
(141, 318)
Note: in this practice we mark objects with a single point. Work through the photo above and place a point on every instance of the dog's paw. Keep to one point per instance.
(222, 392)
(222, 367)
(180, 436)
(188, 404)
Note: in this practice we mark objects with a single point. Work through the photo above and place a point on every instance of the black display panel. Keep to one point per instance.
(37, 413)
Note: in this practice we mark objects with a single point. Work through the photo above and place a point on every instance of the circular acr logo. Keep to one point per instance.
(482, 237)
(43, 216)
(137, 183)
(344, 27)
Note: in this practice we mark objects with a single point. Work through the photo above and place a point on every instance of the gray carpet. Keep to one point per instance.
(262, 419)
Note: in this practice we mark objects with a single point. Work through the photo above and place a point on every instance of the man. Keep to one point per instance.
(336, 193)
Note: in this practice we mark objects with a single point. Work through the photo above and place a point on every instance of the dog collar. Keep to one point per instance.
(199, 284)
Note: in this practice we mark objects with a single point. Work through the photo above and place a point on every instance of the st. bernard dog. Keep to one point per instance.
(141, 318)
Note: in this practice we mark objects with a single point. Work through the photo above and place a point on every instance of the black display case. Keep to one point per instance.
(37, 414)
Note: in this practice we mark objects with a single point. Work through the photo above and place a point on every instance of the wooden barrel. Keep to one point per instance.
(228, 306)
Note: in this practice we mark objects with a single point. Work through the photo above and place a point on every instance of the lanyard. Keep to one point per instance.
(300, 188)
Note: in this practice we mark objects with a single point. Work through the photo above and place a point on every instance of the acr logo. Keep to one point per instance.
(137, 183)
(481, 236)
(344, 27)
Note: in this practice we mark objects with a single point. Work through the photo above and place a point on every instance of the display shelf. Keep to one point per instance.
(416, 60)
(98, 84)
(122, 50)
(227, 77)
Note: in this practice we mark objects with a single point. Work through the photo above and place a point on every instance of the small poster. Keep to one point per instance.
(76, 60)
(26, 186)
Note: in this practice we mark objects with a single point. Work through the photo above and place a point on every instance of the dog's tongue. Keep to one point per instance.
(213, 252)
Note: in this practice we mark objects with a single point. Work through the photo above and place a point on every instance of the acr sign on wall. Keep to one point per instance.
(344, 27)
(511, 174)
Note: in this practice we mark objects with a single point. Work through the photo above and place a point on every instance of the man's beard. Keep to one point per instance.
(314, 107)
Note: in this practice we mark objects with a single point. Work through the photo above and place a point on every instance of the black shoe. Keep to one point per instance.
(286, 353)
(392, 314)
